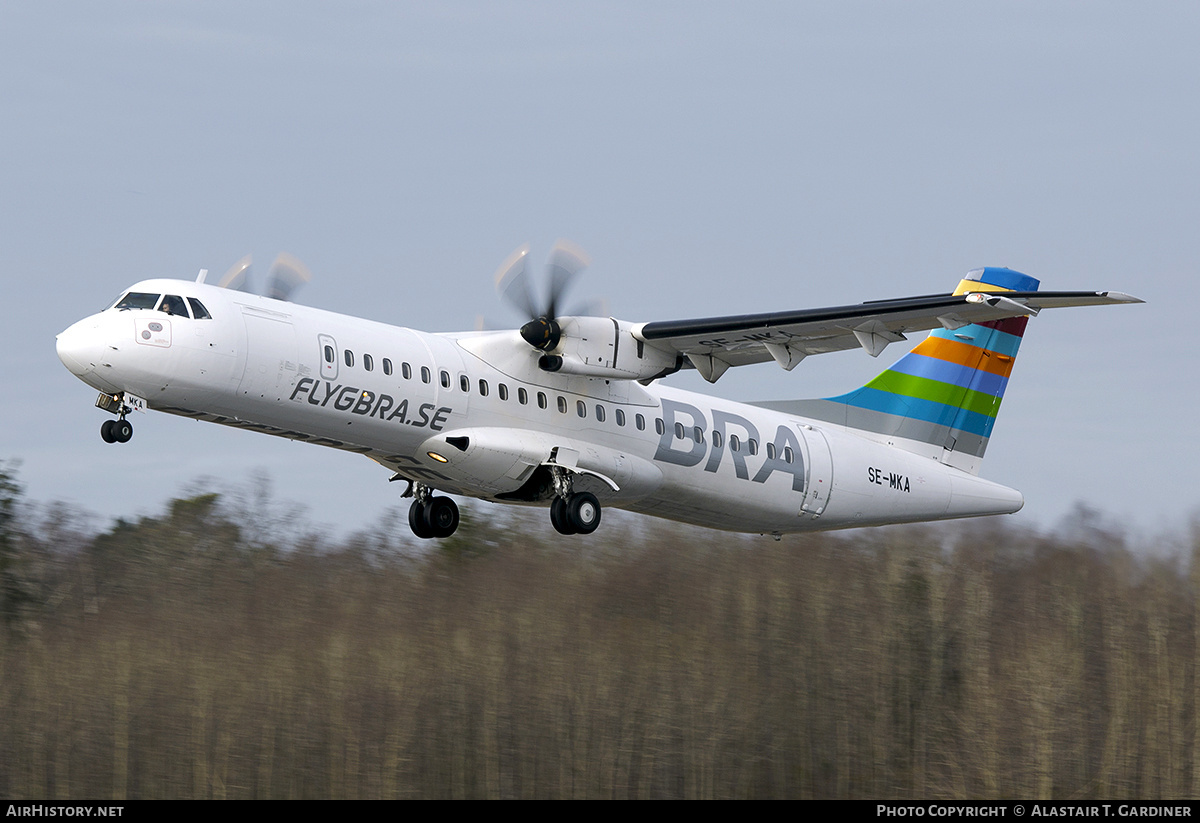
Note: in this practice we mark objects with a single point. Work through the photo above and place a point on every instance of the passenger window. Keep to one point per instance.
(770, 451)
(788, 454)
(734, 443)
(173, 305)
(620, 416)
(349, 358)
(698, 434)
(483, 387)
(406, 370)
(464, 383)
(562, 404)
(198, 310)
(387, 366)
(426, 376)
(679, 431)
(658, 425)
(599, 413)
(138, 300)
(522, 396)
(581, 408)
(329, 354)
(368, 362)
(717, 439)
(541, 400)
(503, 390)
(641, 423)
(752, 446)
(445, 377)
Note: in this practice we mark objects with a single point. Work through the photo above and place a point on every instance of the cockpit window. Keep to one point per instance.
(138, 300)
(198, 310)
(173, 304)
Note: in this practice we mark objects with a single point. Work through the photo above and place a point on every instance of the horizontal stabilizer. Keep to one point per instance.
(788, 336)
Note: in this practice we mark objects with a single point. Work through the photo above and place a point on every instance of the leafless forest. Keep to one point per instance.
(208, 651)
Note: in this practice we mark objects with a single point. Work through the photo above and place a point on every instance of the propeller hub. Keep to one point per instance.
(543, 333)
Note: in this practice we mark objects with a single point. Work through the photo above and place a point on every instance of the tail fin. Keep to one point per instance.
(941, 398)
(947, 390)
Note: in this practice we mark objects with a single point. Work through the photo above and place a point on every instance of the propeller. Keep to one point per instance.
(286, 275)
(566, 261)
(238, 276)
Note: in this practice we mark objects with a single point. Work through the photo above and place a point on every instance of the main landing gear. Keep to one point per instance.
(572, 512)
(430, 516)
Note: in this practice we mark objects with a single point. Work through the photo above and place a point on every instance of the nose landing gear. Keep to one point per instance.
(116, 431)
(119, 430)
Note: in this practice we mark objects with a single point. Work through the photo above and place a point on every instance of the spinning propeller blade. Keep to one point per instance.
(286, 275)
(566, 261)
(238, 276)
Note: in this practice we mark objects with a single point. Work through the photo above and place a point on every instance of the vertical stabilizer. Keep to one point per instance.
(947, 391)
(940, 399)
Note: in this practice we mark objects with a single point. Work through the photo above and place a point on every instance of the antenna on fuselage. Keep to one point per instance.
(202, 275)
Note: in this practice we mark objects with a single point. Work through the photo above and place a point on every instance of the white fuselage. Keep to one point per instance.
(480, 403)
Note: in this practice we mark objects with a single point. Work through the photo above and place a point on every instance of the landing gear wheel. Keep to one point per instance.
(559, 519)
(106, 431)
(441, 516)
(416, 521)
(583, 510)
(122, 430)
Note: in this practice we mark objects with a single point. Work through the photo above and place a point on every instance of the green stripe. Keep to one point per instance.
(906, 385)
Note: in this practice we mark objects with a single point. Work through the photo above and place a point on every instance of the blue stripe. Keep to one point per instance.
(1004, 278)
(920, 365)
(995, 340)
(928, 410)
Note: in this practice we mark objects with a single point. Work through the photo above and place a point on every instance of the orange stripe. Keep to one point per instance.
(964, 354)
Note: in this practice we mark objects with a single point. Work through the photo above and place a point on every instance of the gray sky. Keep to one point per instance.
(712, 158)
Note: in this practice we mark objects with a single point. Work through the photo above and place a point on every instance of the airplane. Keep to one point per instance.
(567, 412)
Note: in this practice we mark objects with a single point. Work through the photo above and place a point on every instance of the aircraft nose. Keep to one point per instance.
(79, 347)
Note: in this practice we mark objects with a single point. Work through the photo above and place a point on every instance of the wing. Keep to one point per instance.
(713, 344)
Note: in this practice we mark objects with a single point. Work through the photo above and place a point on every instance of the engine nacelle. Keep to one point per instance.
(605, 347)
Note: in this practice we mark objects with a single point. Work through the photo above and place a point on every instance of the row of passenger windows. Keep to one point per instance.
(582, 409)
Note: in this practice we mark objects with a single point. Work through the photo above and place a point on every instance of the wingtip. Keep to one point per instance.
(1121, 297)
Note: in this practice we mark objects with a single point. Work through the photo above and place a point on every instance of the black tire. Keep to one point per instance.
(416, 521)
(122, 430)
(583, 510)
(106, 431)
(559, 518)
(441, 516)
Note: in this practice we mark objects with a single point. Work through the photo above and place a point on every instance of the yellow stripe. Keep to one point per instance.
(968, 286)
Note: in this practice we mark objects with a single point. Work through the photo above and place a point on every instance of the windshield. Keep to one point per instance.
(138, 300)
(173, 304)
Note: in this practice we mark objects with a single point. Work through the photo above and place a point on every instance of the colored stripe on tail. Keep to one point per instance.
(941, 398)
(948, 389)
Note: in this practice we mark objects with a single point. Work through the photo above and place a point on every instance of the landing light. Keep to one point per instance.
(437, 457)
